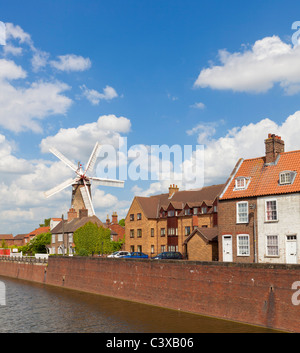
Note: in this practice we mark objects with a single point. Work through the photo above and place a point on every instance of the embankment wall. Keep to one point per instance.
(258, 294)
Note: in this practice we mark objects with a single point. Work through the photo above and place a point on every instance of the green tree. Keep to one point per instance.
(37, 244)
(93, 239)
(46, 222)
(122, 222)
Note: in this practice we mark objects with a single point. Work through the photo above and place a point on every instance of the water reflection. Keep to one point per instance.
(39, 308)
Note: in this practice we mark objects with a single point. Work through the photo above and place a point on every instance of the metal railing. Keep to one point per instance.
(25, 259)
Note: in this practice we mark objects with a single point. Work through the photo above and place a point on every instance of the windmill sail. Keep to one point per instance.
(63, 158)
(108, 182)
(91, 163)
(60, 187)
(87, 200)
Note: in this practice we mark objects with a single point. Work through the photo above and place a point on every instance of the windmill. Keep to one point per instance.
(81, 184)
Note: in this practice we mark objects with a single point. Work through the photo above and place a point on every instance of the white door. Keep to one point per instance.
(227, 248)
(291, 249)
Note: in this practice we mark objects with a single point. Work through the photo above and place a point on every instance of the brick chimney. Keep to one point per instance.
(83, 213)
(273, 145)
(172, 189)
(114, 218)
(107, 220)
(72, 214)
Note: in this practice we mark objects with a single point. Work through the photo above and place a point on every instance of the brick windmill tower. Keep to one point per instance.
(81, 184)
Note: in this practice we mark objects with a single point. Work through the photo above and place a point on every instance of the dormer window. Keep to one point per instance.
(286, 177)
(241, 183)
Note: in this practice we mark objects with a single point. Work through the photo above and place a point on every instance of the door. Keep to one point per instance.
(227, 248)
(291, 249)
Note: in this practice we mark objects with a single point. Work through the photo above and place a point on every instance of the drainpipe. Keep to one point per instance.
(253, 207)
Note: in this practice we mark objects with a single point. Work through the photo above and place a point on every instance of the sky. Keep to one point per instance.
(210, 79)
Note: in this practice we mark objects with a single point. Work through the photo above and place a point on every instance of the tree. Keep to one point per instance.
(93, 239)
(122, 222)
(46, 222)
(37, 244)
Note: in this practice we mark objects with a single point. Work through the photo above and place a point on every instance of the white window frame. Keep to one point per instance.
(246, 252)
(268, 245)
(266, 211)
(285, 178)
(238, 220)
(240, 183)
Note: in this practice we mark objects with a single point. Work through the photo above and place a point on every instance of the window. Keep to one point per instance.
(195, 210)
(204, 210)
(187, 211)
(162, 232)
(53, 238)
(139, 233)
(271, 210)
(171, 213)
(242, 212)
(152, 232)
(70, 235)
(131, 248)
(60, 237)
(287, 177)
(187, 230)
(152, 249)
(215, 208)
(131, 233)
(272, 245)
(132, 217)
(172, 231)
(240, 183)
(243, 245)
(139, 216)
(163, 248)
(139, 248)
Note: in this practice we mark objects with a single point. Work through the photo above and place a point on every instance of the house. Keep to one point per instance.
(202, 244)
(62, 234)
(19, 239)
(259, 208)
(28, 237)
(6, 240)
(117, 231)
(163, 222)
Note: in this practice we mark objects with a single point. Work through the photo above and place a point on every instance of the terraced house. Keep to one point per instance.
(259, 208)
(166, 222)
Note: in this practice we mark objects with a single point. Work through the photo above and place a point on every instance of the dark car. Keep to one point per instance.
(168, 255)
(136, 255)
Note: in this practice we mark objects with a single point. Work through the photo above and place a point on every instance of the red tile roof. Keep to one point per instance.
(39, 231)
(264, 178)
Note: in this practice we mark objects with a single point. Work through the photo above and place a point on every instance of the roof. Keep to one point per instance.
(152, 205)
(74, 224)
(264, 178)
(20, 236)
(6, 236)
(208, 234)
(39, 230)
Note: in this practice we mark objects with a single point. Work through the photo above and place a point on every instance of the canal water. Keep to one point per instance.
(39, 308)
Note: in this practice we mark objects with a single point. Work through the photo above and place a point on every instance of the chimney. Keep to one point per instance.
(114, 218)
(107, 220)
(83, 213)
(71, 214)
(172, 189)
(273, 145)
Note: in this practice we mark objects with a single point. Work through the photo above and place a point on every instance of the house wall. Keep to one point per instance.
(200, 250)
(227, 225)
(288, 224)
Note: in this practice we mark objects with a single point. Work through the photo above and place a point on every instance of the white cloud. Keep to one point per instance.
(94, 96)
(71, 62)
(198, 105)
(267, 62)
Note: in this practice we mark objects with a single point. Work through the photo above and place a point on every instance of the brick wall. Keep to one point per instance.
(258, 294)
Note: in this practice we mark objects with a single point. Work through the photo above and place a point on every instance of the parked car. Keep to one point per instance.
(168, 255)
(136, 255)
(119, 254)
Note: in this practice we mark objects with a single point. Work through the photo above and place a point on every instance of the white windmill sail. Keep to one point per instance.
(108, 182)
(63, 158)
(87, 200)
(60, 187)
(93, 158)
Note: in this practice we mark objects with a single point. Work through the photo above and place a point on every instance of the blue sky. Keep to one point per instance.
(217, 74)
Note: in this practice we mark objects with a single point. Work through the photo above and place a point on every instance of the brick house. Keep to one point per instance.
(163, 222)
(19, 239)
(62, 233)
(6, 240)
(117, 231)
(259, 208)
